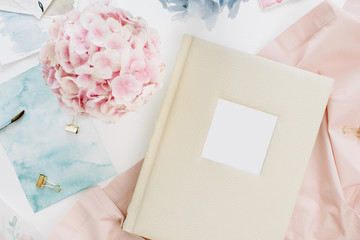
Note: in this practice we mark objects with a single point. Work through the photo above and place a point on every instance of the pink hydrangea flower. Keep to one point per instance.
(102, 62)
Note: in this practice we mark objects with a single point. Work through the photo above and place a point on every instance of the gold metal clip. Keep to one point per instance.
(43, 182)
(72, 127)
(351, 131)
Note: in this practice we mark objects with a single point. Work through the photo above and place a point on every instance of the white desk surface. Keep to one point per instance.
(127, 140)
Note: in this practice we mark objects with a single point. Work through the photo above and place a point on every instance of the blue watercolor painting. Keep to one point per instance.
(14, 227)
(37, 143)
(20, 36)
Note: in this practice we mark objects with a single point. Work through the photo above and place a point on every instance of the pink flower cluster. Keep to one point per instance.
(102, 62)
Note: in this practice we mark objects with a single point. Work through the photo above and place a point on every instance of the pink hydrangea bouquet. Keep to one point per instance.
(102, 62)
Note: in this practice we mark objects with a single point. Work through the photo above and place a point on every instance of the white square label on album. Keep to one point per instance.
(239, 136)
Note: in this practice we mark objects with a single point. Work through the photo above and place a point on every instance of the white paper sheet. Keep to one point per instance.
(35, 7)
(239, 136)
(12, 6)
(57, 7)
(21, 35)
(14, 227)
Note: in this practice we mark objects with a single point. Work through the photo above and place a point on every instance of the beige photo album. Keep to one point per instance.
(230, 147)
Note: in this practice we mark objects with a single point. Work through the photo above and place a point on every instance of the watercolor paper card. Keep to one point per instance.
(14, 227)
(239, 136)
(13, 69)
(37, 143)
(57, 7)
(60, 7)
(12, 6)
(20, 36)
(35, 7)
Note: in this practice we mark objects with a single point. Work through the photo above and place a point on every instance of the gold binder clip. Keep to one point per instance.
(72, 127)
(351, 131)
(43, 182)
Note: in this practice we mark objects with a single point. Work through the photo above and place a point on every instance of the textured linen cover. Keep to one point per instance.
(212, 201)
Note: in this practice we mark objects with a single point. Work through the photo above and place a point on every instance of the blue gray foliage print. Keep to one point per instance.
(208, 10)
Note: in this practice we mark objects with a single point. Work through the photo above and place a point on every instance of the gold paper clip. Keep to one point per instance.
(72, 127)
(351, 131)
(43, 182)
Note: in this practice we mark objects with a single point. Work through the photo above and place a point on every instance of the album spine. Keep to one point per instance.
(145, 175)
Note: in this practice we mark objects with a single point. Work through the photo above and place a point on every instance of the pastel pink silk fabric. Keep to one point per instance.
(99, 215)
(325, 41)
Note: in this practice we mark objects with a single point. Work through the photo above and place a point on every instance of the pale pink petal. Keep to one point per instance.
(76, 105)
(93, 108)
(84, 69)
(138, 65)
(103, 72)
(62, 51)
(69, 86)
(140, 41)
(149, 90)
(133, 61)
(51, 80)
(153, 43)
(79, 45)
(82, 98)
(141, 77)
(98, 31)
(77, 60)
(54, 29)
(105, 63)
(126, 16)
(106, 86)
(93, 49)
(63, 55)
(84, 81)
(47, 53)
(116, 42)
(98, 91)
(87, 18)
(114, 25)
(107, 108)
(72, 15)
(78, 38)
(155, 68)
(60, 73)
(125, 87)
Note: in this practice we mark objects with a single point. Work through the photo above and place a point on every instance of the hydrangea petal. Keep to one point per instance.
(102, 62)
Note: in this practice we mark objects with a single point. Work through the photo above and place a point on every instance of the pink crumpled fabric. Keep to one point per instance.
(99, 215)
(325, 41)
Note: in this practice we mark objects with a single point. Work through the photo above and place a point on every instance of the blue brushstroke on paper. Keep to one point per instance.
(208, 10)
(23, 30)
(14, 227)
(37, 143)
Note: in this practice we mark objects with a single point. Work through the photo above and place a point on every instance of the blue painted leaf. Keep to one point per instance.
(208, 10)
(13, 222)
